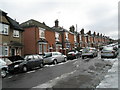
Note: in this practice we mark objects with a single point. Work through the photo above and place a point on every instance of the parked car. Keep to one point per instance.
(73, 54)
(3, 68)
(54, 57)
(109, 52)
(24, 64)
(89, 52)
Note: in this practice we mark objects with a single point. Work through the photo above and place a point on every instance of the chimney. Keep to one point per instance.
(94, 33)
(98, 34)
(89, 33)
(82, 31)
(72, 29)
(56, 23)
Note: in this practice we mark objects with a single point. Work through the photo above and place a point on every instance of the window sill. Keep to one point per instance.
(42, 37)
(4, 34)
(16, 37)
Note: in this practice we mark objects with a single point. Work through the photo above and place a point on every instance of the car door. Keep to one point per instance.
(56, 56)
(61, 58)
(37, 60)
(30, 61)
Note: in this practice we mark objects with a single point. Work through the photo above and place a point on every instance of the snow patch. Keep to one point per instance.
(51, 83)
(111, 79)
(31, 71)
(10, 77)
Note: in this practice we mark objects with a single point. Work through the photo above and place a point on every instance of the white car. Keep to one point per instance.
(54, 57)
(89, 52)
(109, 52)
(3, 68)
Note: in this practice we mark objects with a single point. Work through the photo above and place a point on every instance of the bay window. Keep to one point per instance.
(57, 36)
(4, 29)
(3, 50)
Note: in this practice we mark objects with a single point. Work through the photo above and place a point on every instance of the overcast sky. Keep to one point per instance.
(95, 15)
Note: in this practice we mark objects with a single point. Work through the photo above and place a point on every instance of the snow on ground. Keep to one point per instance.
(60, 63)
(51, 83)
(111, 79)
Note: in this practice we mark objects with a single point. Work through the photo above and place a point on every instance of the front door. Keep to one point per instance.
(13, 51)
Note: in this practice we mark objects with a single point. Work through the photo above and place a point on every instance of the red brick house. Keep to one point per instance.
(67, 38)
(83, 39)
(38, 37)
(90, 39)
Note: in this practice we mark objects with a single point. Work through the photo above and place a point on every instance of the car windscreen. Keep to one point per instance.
(71, 52)
(1, 61)
(107, 48)
(15, 58)
(85, 50)
(48, 55)
(8, 62)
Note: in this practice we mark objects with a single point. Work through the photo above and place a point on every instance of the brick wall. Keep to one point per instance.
(29, 41)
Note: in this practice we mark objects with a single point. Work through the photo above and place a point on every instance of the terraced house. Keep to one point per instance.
(11, 38)
(40, 38)
(68, 37)
(35, 37)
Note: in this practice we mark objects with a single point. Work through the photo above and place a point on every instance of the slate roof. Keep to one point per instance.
(3, 13)
(14, 24)
(34, 23)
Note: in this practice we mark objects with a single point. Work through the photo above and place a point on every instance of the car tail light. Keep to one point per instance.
(113, 51)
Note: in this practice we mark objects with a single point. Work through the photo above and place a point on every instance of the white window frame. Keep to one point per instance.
(4, 29)
(57, 35)
(40, 48)
(66, 34)
(75, 40)
(16, 33)
(80, 37)
(5, 52)
(85, 39)
(41, 30)
(45, 48)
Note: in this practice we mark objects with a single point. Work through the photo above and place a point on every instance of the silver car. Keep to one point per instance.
(109, 52)
(54, 57)
(89, 52)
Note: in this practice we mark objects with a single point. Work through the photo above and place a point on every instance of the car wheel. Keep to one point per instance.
(76, 57)
(41, 65)
(3, 73)
(65, 59)
(55, 61)
(25, 69)
(82, 57)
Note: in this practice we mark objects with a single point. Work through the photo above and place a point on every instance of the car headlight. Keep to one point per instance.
(16, 66)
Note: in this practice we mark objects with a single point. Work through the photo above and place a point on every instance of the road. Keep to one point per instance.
(39, 76)
(78, 73)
